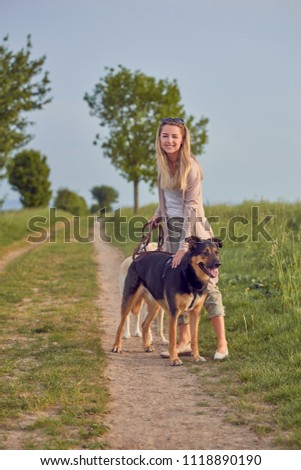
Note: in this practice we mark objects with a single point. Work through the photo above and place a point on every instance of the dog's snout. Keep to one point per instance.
(216, 262)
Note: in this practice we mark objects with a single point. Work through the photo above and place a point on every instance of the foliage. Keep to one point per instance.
(71, 202)
(28, 174)
(20, 93)
(105, 197)
(130, 106)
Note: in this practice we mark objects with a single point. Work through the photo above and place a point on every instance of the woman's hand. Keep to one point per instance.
(155, 220)
(177, 258)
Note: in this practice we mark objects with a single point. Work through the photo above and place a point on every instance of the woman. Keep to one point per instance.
(182, 214)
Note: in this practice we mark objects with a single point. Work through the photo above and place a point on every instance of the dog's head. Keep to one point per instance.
(204, 256)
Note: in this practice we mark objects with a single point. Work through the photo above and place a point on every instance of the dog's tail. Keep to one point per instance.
(131, 292)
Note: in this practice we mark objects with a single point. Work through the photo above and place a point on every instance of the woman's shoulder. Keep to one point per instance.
(193, 161)
(195, 168)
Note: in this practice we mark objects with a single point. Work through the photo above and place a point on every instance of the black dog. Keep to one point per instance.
(175, 289)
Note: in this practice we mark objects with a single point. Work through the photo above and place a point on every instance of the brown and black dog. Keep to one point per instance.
(176, 290)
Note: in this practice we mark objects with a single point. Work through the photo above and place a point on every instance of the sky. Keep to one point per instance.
(236, 62)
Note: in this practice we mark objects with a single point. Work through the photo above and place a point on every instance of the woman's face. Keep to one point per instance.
(171, 139)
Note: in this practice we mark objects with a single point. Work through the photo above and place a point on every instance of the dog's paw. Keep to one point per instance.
(199, 359)
(116, 349)
(149, 349)
(126, 336)
(138, 334)
(176, 362)
(164, 341)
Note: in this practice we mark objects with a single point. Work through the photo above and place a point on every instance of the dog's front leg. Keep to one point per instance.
(194, 323)
(172, 347)
(195, 315)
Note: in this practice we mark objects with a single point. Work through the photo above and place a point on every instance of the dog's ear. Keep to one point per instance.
(193, 242)
(185, 261)
(218, 242)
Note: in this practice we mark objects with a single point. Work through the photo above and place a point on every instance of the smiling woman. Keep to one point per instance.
(171, 140)
(182, 214)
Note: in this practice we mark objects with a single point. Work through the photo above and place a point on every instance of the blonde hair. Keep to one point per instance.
(179, 180)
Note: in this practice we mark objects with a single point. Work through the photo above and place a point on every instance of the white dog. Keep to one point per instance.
(140, 310)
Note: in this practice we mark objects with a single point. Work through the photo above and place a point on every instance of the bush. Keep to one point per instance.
(105, 197)
(71, 202)
(28, 174)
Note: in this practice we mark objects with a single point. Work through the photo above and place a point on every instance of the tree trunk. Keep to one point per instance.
(136, 196)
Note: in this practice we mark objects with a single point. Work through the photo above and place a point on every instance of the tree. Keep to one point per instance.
(71, 202)
(130, 105)
(20, 93)
(28, 174)
(105, 197)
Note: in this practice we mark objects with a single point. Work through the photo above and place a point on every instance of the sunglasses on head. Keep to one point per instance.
(167, 120)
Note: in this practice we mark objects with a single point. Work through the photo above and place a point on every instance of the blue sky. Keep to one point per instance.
(236, 62)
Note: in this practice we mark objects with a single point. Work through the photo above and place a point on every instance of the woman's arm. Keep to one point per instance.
(192, 199)
(193, 208)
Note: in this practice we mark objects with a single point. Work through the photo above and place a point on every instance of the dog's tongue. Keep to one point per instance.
(213, 272)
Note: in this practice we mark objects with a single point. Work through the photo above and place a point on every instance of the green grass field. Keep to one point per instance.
(53, 393)
(16, 226)
(51, 357)
(260, 281)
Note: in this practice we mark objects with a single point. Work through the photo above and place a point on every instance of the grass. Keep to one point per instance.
(53, 389)
(54, 393)
(260, 281)
(16, 226)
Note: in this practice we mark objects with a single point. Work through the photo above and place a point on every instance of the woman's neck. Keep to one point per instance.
(173, 159)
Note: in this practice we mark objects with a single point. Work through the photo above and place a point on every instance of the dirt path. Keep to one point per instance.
(154, 406)
(13, 254)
